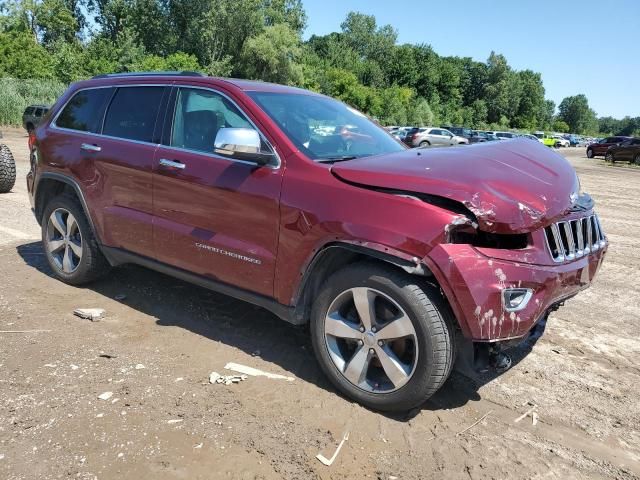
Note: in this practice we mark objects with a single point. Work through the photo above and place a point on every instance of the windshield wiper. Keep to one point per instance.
(341, 158)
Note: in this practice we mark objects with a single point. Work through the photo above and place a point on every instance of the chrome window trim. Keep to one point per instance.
(217, 157)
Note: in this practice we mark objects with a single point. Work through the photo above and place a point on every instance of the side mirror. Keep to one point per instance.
(242, 144)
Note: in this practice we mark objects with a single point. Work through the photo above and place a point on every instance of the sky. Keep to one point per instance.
(579, 46)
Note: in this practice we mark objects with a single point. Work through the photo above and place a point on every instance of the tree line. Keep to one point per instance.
(62, 41)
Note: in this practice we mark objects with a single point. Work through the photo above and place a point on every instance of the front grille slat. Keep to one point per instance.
(571, 239)
(579, 240)
(571, 246)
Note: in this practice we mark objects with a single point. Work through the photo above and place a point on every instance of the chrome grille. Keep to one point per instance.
(573, 239)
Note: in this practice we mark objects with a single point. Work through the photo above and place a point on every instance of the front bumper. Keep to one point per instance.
(473, 284)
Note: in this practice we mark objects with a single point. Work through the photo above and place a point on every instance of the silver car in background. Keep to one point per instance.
(432, 136)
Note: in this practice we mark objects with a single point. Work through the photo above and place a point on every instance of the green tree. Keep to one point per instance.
(547, 114)
(272, 55)
(56, 22)
(575, 112)
(531, 101)
(22, 57)
(176, 61)
(560, 126)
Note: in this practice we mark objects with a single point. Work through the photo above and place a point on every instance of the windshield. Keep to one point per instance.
(325, 129)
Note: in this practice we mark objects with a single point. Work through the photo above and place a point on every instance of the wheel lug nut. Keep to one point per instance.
(362, 329)
(360, 342)
(371, 350)
(380, 343)
(374, 329)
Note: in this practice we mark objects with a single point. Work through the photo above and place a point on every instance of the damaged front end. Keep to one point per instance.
(520, 240)
(502, 287)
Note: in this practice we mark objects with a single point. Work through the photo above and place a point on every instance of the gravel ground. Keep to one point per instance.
(156, 347)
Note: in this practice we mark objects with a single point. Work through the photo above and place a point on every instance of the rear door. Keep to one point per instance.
(213, 215)
(123, 157)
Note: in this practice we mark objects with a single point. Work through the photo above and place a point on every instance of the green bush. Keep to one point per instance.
(16, 95)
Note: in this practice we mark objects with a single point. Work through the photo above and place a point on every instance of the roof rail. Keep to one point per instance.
(170, 73)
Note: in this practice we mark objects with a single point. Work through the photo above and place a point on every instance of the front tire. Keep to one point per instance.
(7, 169)
(70, 246)
(381, 338)
(589, 153)
(609, 157)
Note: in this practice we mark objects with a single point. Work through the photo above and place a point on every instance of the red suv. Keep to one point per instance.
(399, 260)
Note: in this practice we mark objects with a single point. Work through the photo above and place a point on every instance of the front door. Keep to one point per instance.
(214, 216)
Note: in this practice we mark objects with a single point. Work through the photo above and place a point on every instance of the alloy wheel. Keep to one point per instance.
(636, 160)
(609, 157)
(371, 340)
(64, 240)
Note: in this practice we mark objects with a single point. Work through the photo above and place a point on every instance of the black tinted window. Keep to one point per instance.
(28, 111)
(84, 110)
(132, 113)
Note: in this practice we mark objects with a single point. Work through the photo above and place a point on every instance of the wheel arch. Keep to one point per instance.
(337, 255)
(52, 184)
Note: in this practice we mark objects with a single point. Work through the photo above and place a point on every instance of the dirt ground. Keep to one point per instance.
(156, 348)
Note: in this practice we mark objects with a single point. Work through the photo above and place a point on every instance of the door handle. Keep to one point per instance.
(90, 147)
(172, 163)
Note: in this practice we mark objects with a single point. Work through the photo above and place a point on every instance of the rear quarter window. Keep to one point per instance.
(133, 112)
(28, 111)
(84, 110)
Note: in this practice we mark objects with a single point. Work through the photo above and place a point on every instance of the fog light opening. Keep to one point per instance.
(516, 299)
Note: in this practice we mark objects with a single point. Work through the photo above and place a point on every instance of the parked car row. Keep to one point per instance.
(449, 135)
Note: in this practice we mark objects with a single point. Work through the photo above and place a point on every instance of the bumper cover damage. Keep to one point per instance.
(474, 285)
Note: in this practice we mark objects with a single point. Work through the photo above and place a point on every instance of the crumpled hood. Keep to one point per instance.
(511, 186)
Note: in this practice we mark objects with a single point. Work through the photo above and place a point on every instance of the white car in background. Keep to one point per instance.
(428, 136)
(561, 141)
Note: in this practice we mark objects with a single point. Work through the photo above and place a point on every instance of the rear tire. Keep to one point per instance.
(609, 158)
(589, 153)
(7, 169)
(424, 144)
(424, 348)
(636, 159)
(69, 243)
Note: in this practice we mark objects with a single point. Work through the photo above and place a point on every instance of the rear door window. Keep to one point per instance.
(133, 112)
(84, 111)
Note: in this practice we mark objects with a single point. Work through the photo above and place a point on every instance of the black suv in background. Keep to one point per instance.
(627, 151)
(466, 133)
(32, 116)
